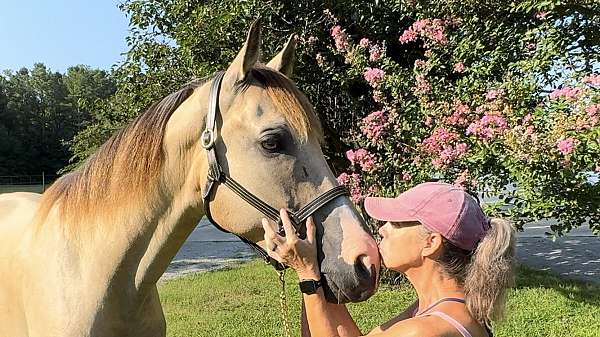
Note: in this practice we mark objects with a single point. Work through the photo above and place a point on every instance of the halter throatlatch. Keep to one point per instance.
(217, 176)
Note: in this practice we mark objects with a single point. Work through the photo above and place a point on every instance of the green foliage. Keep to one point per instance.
(244, 301)
(459, 62)
(40, 110)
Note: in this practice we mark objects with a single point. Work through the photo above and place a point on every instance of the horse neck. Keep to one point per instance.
(184, 173)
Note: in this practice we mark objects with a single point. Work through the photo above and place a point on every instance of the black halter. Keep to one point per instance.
(216, 176)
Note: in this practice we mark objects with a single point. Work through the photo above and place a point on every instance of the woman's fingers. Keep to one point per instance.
(290, 232)
(311, 230)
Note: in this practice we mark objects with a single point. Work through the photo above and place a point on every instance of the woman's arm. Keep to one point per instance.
(324, 319)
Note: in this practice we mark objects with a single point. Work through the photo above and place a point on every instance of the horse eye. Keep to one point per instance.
(270, 144)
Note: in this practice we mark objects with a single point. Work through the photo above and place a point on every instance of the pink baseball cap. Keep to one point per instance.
(440, 207)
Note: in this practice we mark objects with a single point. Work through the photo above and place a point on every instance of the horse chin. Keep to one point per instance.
(335, 294)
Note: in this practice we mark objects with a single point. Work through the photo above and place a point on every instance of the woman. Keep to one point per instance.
(460, 263)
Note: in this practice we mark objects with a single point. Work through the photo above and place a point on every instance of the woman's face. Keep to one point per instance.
(401, 245)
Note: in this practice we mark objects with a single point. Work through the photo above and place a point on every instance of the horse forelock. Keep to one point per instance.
(287, 99)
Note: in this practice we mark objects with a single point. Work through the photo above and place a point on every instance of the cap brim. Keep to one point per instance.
(388, 209)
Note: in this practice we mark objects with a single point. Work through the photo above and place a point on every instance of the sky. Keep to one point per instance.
(61, 33)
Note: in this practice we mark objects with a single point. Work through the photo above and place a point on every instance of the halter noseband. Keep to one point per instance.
(216, 176)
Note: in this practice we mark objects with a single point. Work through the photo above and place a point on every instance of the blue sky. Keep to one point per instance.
(61, 33)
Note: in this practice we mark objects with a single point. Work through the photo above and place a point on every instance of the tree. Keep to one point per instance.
(40, 111)
(408, 90)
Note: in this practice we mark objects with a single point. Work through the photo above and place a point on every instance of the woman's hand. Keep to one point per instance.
(301, 255)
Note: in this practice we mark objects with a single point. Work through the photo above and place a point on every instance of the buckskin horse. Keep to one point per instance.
(83, 259)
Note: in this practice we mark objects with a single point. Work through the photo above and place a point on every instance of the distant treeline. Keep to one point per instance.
(40, 113)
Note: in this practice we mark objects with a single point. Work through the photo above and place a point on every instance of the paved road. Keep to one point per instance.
(576, 255)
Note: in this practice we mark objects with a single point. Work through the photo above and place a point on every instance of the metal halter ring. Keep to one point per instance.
(207, 139)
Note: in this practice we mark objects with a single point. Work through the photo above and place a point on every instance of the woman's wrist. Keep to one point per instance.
(309, 274)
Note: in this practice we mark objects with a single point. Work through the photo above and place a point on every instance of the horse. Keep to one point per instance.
(83, 258)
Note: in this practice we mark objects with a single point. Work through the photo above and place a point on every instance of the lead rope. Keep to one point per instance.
(283, 304)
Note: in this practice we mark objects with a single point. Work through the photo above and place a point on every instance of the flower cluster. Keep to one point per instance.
(432, 30)
(375, 53)
(459, 67)
(593, 79)
(459, 114)
(422, 86)
(363, 158)
(340, 37)
(566, 93)
(493, 94)
(489, 126)
(567, 146)
(374, 76)
(373, 125)
(443, 145)
(352, 181)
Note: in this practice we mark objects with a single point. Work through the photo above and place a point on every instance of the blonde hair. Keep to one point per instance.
(485, 273)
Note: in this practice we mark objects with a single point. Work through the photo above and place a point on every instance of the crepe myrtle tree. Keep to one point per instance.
(508, 111)
(407, 90)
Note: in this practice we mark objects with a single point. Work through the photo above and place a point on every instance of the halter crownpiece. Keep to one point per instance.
(217, 176)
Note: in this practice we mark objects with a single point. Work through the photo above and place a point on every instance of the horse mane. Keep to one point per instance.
(124, 171)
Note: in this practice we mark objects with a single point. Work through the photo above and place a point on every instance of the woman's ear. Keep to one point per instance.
(433, 245)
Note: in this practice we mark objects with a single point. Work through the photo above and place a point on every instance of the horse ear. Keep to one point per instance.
(247, 57)
(284, 61)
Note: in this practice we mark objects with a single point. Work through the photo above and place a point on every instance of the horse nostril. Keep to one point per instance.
(362, 266)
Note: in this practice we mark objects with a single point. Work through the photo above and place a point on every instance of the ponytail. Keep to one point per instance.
(491, 272)
(485, 273)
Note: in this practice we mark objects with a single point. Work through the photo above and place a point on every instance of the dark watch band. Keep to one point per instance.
(309, 286)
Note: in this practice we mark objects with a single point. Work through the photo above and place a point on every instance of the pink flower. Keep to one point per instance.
(352, 181)
(490, 125)
(364, 42)
(419, 63)
(375, 53)
(566, 146)
(541, 15)
(428, 121)
(458, 116)
(592, 79)
(566, 93)
(372, 125)
(422, 87)
(492, 94)
(432, 30)
(340, 37)
(459, 67)
(408, 35)
(406, 176)
(374, 76)
(336, 30)
(598, 168)
(363, 158)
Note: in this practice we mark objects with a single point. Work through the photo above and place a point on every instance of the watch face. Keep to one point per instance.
(309, 286)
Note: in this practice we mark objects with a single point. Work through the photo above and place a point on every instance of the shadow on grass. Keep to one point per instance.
(580, 291)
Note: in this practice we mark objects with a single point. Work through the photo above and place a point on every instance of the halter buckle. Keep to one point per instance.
(207, 139)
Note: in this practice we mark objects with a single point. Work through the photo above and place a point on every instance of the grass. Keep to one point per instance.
(21, 188)
(244, 301)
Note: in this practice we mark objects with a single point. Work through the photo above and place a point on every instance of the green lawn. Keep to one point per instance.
(244, 301)
(21, 188)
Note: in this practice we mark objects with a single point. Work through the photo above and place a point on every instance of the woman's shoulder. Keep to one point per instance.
(423, 326)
